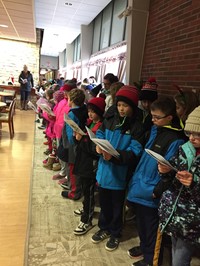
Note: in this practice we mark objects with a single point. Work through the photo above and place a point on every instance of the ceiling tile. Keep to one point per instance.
(51, 15)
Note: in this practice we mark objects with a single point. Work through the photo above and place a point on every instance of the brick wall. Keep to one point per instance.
(172, 49)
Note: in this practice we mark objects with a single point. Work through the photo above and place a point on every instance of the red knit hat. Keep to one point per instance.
(149, 90)
(128, 94)
(98, 105)
(66, 87)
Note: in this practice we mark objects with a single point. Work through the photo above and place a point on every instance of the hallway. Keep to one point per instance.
(15, 170)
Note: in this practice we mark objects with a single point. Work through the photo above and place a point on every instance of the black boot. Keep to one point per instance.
(26, 105)
(22, 105)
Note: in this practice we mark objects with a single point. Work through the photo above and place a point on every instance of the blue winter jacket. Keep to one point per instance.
(27, 86)
(165, 141)
(79, 116)
(126, 138)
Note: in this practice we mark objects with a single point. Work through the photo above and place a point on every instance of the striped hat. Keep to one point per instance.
(149, 90)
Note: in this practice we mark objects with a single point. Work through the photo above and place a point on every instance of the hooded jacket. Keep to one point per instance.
(79, 115)
(86, 160)
(179, 209)
(165, 141)
(61, 108)
(126, 137)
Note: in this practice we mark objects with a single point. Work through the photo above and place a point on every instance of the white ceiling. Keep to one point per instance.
(61, 22)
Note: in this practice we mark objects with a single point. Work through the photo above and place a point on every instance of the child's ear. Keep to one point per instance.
(169, 117)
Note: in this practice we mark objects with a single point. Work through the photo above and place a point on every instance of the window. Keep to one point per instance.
(77, 49)
(106, 26)
(97, 33)
(118, 25)
(64, 58)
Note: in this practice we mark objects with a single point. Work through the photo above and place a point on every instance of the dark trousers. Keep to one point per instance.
(24, 95)
(111, 214)
(147, 225)
(88, 187)
(76, 191)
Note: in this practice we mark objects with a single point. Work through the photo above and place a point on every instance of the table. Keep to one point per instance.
(2, 104)
(3, 93)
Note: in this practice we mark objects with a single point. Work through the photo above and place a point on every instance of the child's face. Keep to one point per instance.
(93, 116)
(146, 104)
(124, 109)
(160, 119)
(107, 84)
(179, 109)
(194, 138)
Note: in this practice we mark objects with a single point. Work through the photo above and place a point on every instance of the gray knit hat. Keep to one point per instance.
(193, 121)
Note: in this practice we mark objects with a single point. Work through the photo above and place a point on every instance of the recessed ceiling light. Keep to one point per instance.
(3, 26)
(68, 4)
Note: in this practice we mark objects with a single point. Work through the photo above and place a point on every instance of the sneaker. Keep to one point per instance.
(112, 244)
(47, 152)
(57, 176)
(135, 252)
(82, 228)
(63, 180)
(67, 194)
(41, 127)
(141, 263)
(46, 142)
(37, 121)
(78, 212)
(64, 194)
(100, 236)
(56, 167)
(65, 186)
(45, 161)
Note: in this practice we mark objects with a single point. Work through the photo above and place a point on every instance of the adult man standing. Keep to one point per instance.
(108, 79)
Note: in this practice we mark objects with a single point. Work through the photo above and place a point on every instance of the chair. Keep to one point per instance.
(8, 118)
(9, 99)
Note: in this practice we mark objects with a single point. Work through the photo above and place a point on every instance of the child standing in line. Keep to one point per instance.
(179, 209)
(86, 165)
(78, 113)
(50, 121)
(186, 102)
(61, 108)
(148, 94)
(125, 134)
(145, 188)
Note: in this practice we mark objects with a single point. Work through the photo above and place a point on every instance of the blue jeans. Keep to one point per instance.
(24, 95)
(181, 252)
